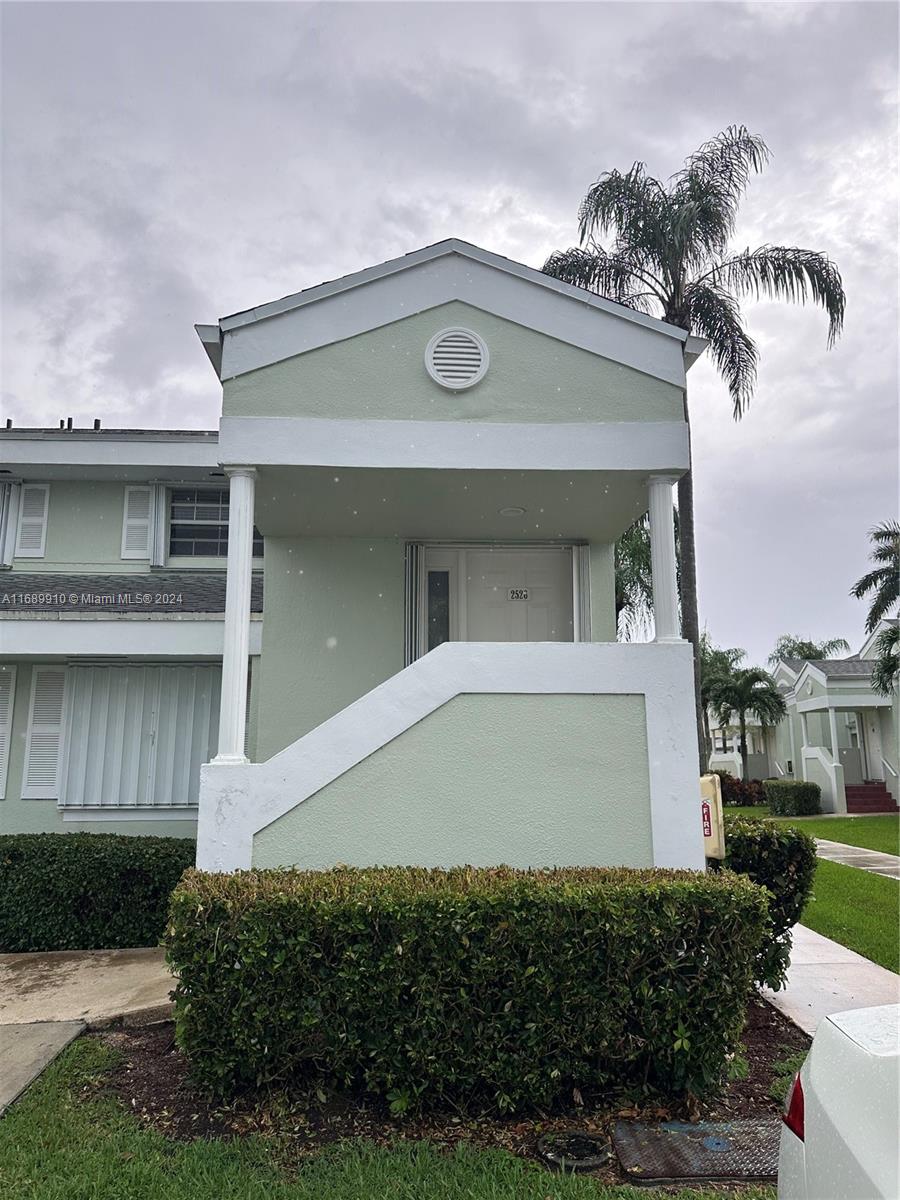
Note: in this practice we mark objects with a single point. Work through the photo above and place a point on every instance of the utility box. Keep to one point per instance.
(711, 816)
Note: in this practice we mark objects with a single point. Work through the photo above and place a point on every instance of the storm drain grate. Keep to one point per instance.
(709, 1150)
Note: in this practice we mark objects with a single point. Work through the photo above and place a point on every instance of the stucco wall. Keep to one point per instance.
(381, 375)
(528, 780)
(333, 630)
(887, 723)
(84, 530)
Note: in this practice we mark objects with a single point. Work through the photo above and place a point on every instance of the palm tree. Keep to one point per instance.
(670, 256)
(634, 579)
(746, 690)
(882, 583)
(714, 662)
(791, 645)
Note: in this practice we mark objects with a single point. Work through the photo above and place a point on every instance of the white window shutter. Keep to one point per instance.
(137, 522)
(7, 698)
(10, 494)
(43, 743)
(34, 503)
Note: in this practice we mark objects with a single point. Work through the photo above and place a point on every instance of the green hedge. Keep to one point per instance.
(87, 891)
(793, 797)
(782, 860)
(488, 988)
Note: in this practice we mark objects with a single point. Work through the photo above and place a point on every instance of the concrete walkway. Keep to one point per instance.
(25, 1051)
(826, 978)
(98, 987)
(855, 856)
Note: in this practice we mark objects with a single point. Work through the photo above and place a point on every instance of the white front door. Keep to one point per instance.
(498, 594)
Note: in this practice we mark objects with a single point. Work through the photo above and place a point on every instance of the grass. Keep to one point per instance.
(60, 1142)
(857, 909)
(879, 831)
(784, 1071)
(876, 832)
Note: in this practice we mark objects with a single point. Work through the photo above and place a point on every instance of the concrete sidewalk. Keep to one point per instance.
(826, 978)
(855, 856)
(26, 1050)
(98, 987)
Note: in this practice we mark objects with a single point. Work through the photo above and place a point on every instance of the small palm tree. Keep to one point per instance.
(791, 645)
(742, 691)
(714, 662)
(671, 256)
(882, 583)
(634, 579)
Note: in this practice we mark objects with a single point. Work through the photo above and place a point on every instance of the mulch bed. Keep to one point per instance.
(152, 1082)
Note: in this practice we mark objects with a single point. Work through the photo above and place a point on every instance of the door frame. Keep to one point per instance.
(415, 616)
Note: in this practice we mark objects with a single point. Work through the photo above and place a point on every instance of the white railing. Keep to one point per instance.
(885, 763)
(779, 768)
(818, 762)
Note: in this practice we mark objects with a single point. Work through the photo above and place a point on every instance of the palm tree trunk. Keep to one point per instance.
(707, 741)
(745, 770)
(690, 616)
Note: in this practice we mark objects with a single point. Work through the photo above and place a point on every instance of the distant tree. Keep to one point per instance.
(714, 662)
(791, 645)
(634, 579)
(743, 691)
(882, 584)
(670, 255)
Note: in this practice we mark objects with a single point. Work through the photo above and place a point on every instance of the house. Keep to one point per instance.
(438, 454)
(837, 733)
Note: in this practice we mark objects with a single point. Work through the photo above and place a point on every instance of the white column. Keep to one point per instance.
(832, 725)
(662, 559)
(235, 655)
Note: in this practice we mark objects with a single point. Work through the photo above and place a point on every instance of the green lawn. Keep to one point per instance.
(881, 831)
(876, 832)
(57, 1146)
(857, 909)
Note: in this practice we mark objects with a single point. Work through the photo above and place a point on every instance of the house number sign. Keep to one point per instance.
(517, 594)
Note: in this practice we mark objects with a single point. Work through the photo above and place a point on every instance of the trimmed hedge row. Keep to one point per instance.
(477, 988)
(783, 861)
(87, 891)
(793, 797)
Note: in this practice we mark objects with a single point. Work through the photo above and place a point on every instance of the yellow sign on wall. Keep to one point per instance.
(711, 815)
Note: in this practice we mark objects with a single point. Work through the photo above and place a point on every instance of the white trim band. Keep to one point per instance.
(457, 445)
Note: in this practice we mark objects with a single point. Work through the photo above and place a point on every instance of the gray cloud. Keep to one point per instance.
(166, 164)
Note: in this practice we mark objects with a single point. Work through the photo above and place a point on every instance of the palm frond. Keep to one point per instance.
(706, 191)
(633, 207)
(884, 581)
(786, 273)
(609, 275)
(886, 670)
(715, 315)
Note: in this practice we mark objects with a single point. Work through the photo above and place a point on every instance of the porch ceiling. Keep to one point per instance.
(447, 504)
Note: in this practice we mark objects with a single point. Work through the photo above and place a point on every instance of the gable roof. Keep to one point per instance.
(436, 285)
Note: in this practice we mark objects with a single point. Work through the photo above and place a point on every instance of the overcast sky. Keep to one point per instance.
(171, 163)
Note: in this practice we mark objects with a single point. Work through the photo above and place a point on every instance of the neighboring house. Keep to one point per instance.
(439, 453)
(838, 733)
(111, 627)
(726, 748)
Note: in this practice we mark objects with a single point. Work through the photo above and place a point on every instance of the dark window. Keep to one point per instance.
(438, 608)
(198, 524)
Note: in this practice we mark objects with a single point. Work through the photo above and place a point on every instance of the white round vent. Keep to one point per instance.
(456, 359)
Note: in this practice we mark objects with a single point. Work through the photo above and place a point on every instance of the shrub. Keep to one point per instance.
(782, 860)
(740, 791)
(793, 797)
(87, 891)
(470, 987)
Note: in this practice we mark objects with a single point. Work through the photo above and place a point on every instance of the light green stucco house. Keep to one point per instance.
(838, 733)
(437, 454)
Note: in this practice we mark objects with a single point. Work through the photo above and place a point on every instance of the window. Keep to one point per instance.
(198, 524)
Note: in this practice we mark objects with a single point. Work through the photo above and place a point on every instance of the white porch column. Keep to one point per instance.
(662, 559)
(235, 655)
(832, 726)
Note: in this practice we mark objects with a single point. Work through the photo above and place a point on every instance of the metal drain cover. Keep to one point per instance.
(573, 1150)
(709, 1150)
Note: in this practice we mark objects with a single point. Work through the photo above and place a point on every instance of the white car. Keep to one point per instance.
(841, 1135)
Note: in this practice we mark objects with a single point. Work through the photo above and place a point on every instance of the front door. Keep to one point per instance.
(498, 594)
(851, 752)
